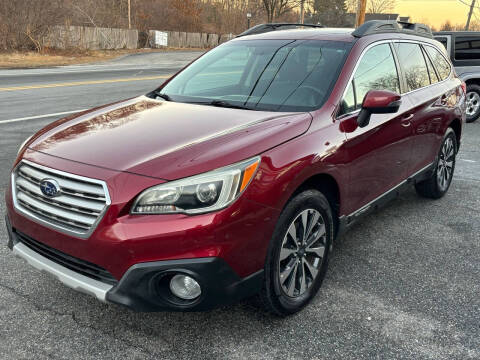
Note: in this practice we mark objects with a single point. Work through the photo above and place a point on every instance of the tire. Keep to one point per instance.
(473, 102)
(438, 183)
(290, 259)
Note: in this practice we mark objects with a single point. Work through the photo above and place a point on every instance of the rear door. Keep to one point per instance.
(426, 115)
(379, 153)
(428, 95)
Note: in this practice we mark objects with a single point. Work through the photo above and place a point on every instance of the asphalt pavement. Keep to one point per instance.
(403, 284)
(36, 92)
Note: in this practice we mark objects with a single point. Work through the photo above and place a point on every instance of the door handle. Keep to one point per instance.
(406, 120)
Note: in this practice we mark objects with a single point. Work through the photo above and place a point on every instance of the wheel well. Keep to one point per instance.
(328, 186)
(473, 81)
(456, 125)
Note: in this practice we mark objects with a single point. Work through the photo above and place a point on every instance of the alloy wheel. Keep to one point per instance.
(445, 164)
(302, 252)
(473, 103)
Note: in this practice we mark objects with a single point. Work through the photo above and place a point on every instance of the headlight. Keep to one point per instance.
(198, 194)
(23, 144)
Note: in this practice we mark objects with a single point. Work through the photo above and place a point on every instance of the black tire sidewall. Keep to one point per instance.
(310, 199)
(473, 88)
(449, 134)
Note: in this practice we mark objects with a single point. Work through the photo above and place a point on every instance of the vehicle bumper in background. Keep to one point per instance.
(144, 287)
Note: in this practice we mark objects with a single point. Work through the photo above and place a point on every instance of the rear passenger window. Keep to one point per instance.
(442, 65)
(467, 48)
(376, 71)
(413, 64)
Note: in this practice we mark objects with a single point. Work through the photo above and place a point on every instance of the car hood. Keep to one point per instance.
(166, 140)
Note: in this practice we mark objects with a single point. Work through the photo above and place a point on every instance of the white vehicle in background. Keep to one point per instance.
(463, 48)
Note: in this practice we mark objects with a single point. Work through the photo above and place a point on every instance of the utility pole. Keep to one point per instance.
(470, 15)
(361, 8)
(302, 12)
(129, 17)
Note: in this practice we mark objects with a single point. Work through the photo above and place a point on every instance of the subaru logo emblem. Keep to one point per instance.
(50, 187)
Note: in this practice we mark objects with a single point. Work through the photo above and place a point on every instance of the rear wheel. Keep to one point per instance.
(298, 253)
(473, 102)
(437, 185)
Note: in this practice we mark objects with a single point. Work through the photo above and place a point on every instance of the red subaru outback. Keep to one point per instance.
(235, 176)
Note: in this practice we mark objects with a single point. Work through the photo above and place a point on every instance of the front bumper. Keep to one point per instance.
(144, 287)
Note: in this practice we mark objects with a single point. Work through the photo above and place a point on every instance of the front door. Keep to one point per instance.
(379, 154)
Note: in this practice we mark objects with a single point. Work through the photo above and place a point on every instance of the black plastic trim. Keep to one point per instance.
(80, 266)
(264, 28)
(347, 221)
(141, 288)
(392, 26)
(11, 237)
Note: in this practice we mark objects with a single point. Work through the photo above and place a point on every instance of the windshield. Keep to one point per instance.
(271, 75)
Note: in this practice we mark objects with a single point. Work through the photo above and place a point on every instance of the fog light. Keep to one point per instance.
(185, 287)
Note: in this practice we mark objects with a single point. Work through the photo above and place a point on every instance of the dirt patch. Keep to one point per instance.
(50, 58)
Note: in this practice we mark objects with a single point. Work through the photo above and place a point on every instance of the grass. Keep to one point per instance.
(51, 57)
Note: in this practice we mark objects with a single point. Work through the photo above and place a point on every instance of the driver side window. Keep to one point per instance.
(376, 71)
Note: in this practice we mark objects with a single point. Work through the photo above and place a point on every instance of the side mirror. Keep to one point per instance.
(378, 102)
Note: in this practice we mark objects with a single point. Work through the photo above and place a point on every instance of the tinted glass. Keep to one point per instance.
(467, 48)
(230, 67)
(431, 70)
(348, 103)
(442, 65)
(413, 64)
(272, 75)
(443, 40)
(376, 71)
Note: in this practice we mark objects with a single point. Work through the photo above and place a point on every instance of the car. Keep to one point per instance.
(235, 177)
(463, 47)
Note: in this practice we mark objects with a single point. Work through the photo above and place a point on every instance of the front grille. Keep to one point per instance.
(78, 208)
(80, 266)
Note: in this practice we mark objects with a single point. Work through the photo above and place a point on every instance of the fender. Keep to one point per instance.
(466, 76)
(291, 164)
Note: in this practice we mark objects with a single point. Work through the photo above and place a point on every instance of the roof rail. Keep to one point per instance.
(263, 28)
(392, 26)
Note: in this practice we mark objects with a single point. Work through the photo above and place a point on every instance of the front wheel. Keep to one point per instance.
(438, 183)
(298, 254)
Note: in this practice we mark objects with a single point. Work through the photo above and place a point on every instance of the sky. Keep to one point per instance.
(436, 12)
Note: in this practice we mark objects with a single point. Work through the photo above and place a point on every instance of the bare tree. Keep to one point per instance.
(373, 6)
(25, 23)
(447, 26)
(329, 12)
(277, 8)
(381, 6)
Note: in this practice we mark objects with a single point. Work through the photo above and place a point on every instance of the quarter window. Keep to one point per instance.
(376, 71)
(413, 64)
(348, 103)
(442, 65)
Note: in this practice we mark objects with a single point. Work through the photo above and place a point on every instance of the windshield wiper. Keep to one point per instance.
(163, 96)
(225, 104)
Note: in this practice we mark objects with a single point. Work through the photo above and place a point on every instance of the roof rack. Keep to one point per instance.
(392, 26)
(263, 28)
